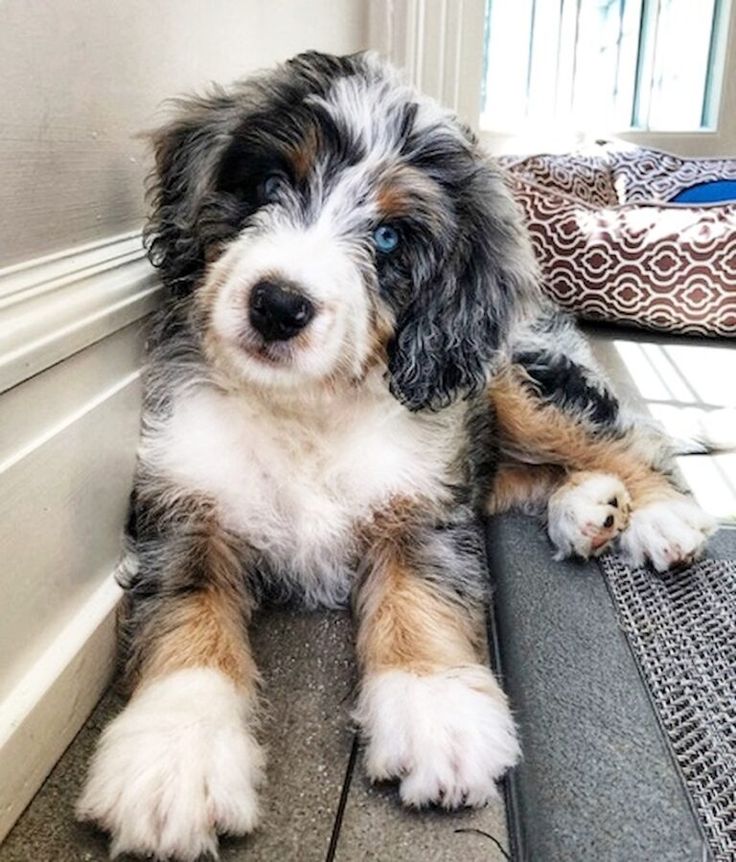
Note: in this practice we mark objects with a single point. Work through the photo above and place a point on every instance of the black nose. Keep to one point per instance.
(278, 311)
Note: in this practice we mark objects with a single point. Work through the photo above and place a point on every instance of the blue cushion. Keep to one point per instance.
(714, 192)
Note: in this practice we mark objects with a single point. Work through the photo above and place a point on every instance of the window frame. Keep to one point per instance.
(440, 44)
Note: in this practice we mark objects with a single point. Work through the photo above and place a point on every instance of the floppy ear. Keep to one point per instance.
(447, 339)
(187, 152)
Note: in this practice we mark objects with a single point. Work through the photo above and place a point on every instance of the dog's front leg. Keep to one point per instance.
(180, 763)
(430, 710)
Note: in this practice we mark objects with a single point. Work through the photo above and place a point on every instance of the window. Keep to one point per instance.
(603, 65)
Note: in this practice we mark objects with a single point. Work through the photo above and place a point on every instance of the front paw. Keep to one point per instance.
(176, 767)
(667, 534)
(447, 737)
(586, 515)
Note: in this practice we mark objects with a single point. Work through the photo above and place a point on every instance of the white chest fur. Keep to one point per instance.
(295, 484)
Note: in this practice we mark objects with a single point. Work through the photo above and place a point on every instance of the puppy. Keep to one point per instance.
(351, 365)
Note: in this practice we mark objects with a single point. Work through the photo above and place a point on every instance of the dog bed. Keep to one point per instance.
(633, 236)
(611, 172)
(586, 176)
(643, 175)
(668, 267)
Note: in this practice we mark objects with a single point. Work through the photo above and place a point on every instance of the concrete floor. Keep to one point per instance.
(309, 676)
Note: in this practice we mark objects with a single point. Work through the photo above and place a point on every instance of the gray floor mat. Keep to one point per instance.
(682, 629)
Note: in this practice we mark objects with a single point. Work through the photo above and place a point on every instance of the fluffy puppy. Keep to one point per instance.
(347, 371)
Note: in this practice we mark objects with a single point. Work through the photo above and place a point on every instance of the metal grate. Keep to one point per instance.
(682, 628)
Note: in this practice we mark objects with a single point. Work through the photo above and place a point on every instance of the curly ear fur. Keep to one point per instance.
(187, 152)
(447, 339)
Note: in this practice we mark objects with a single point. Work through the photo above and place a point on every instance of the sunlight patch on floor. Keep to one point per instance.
(713, 482)
(710, 372)
(685, 387)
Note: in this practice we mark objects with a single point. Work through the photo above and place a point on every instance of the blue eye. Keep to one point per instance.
(272, 186)
(386, 238)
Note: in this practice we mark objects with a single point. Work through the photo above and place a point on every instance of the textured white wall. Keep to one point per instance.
(79, 79)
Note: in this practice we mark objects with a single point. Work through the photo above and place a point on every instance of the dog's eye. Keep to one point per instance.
(271, 188)
(386, 238)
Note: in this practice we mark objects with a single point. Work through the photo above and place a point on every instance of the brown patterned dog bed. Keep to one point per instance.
(586, 176)
(669, 267)
(652, 176)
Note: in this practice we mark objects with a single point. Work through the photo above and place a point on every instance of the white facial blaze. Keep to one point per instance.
(317, 261)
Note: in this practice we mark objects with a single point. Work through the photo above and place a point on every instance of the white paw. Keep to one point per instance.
(586, 514)
(176, 767)
(446, 736)
(668, 534)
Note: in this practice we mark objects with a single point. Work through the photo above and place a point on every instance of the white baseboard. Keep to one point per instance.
(69, 405)
(54, 306)
(47, 708)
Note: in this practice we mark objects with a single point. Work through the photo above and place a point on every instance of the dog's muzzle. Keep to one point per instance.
(278, 311)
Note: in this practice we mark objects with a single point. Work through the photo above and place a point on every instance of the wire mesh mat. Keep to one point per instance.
(682, 628)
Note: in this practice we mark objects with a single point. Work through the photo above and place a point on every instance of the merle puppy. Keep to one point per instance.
(350, 366)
